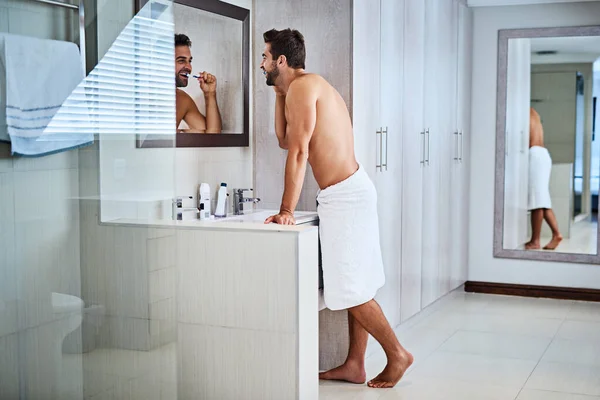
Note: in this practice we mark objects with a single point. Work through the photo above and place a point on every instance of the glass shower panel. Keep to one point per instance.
(87, 286)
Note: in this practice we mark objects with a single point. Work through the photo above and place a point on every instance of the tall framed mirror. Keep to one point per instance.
(547, 155)
(212, 75)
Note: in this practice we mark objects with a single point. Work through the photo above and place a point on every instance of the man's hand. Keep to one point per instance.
(283, 218)
(208, 83)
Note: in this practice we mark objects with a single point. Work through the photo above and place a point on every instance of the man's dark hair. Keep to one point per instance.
(182, 40)
(287, 42)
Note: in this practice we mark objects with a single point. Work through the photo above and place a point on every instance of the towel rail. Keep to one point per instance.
(81, 11)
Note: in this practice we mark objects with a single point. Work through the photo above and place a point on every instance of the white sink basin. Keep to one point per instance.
(259, 217)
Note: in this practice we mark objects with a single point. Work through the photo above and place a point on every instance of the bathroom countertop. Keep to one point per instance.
(305, 221)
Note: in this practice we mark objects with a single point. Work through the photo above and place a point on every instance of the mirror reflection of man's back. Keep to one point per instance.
(536, 130)
(539, 201)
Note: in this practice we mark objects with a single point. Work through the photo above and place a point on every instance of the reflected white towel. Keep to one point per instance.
(36, 77)
(540, 167)
(349, 235)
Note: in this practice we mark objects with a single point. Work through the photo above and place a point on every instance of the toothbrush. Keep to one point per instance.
(194, 76)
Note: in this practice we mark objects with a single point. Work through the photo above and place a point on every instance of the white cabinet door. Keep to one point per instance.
(433, 103)
(460, 188)
(365, 83)
(447, 33)
(389, 180)
(413, 157)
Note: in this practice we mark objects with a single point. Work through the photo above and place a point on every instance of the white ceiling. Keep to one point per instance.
(579, 49)
(489, 3)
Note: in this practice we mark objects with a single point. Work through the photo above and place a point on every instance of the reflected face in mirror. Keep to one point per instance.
(552, 158)
(269, 66)
(183, 65)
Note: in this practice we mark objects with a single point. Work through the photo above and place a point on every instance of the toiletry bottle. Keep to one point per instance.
(221, 201)
(204, 198)
(203, 214)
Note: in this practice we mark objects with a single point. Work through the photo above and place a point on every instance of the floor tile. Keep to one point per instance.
(492, 371)
(528, 307)
(527, 394)
(567, 378)
(446, 389)
(585, 311)
(574, 352)
(580, 330)
(497, 345)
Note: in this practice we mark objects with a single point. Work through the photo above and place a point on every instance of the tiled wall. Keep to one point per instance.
(39, 254)
(328, 52)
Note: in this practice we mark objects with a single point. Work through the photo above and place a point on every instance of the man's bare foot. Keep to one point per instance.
(532, 245)
(392, 372)
(553, 244)
(353, 372)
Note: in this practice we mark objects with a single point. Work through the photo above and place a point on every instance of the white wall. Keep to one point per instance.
(482, 265)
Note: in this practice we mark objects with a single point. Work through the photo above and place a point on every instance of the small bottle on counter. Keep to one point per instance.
(221, 210)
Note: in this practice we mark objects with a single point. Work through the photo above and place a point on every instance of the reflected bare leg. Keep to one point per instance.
(537, 217)
(556, 236)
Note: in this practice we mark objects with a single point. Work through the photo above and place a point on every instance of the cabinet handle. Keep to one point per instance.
(385, 131)
(378, 134)
(461, 147)
(423, 152)
(428, 145)
(456, 146)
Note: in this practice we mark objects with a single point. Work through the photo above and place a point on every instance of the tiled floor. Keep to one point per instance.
(471, 346)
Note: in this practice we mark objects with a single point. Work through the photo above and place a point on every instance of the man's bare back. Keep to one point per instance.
(331, 148)
(536, 131)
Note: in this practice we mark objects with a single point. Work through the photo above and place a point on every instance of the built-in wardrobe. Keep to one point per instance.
(411, 91)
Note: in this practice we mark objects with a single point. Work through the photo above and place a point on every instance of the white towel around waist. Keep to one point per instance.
(540, 167)
(36, 78)
(349, 235)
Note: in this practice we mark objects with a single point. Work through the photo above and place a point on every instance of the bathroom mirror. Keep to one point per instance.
(547, 153)
(215, 112)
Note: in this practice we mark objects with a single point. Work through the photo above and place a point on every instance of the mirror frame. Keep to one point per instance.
(241, 139)
(499, 252)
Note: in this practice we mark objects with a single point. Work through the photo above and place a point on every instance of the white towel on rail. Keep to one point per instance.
(36, 77)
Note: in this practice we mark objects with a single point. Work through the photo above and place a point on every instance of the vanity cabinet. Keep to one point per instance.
(411, 116)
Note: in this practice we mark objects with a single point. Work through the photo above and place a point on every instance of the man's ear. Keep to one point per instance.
(281, 61)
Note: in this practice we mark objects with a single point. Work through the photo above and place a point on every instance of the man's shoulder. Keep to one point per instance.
(182, 95)
(184, 100)
(307, 84)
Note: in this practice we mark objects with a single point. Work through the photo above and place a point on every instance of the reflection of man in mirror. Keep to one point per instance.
(539, 202)
(313, 124)
(187, 110)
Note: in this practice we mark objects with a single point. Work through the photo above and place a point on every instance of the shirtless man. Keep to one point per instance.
(312, 123)
(184, 104)
(540, 205)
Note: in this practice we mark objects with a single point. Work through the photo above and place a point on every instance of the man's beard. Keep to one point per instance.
(272, 76)
(180, 81)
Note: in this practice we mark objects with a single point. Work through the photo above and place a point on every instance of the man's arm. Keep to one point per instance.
(280, 121)
(301, 103)
(208, 84)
